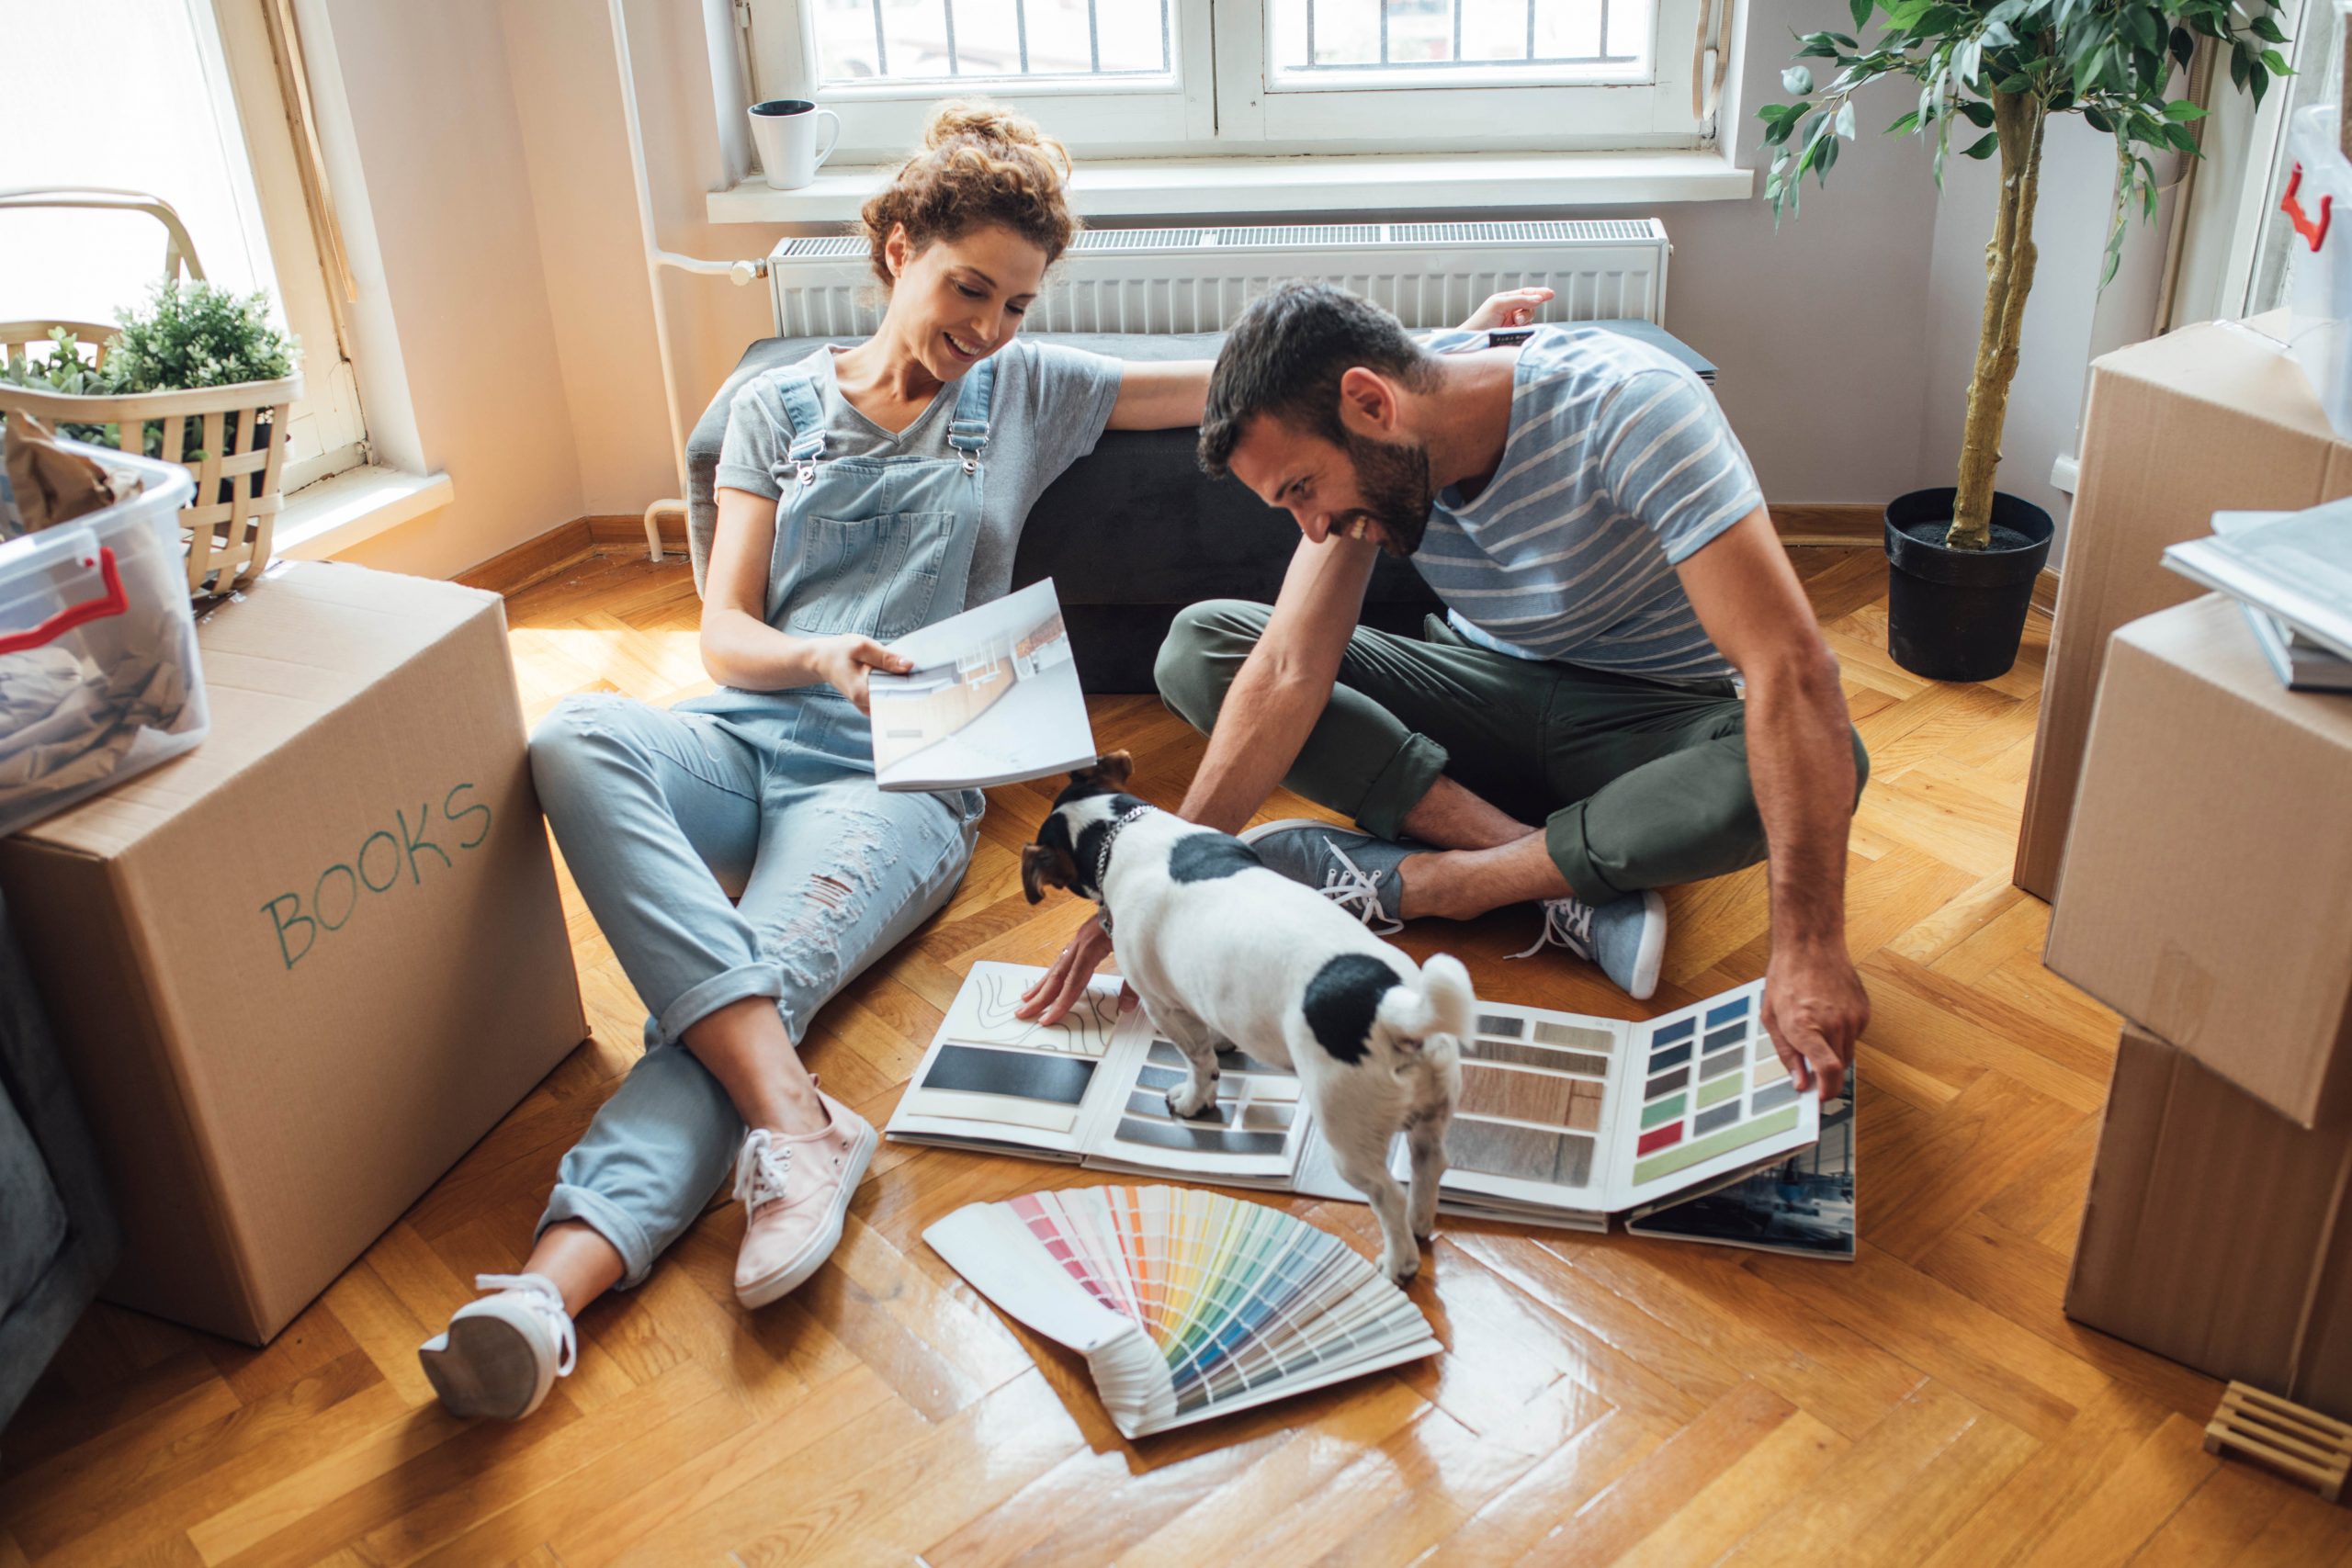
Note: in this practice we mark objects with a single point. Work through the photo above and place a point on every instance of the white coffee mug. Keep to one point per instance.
(785, 130)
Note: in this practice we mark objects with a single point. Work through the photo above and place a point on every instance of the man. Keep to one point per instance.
(1570, 734)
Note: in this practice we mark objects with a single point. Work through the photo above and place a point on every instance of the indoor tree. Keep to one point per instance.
(1995, 73)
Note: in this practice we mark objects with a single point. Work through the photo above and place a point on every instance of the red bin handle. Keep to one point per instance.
(2314, 235)
(113, 602)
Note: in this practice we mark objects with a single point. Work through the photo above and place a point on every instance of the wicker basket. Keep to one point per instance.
(229, 524)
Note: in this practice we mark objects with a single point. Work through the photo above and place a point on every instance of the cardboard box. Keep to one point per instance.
(297, 973)
(2208, 890)
(2211, 418)
(2218, 1233)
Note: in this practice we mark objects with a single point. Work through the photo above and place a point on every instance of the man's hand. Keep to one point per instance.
(1050, 1000)
(1511, 307)
(842, 663)
(1814, 1010)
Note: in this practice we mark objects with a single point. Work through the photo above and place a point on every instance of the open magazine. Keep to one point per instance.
(1803, 1205)
(2297, 569)
(1565, 1120)
(993, 698)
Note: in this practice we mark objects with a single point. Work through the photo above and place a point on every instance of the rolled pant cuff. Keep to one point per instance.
(607, 1219)
(708, 996)
(1563, 840)
(1399, 785)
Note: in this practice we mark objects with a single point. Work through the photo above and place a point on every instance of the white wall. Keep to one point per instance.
(431, 108)
(1838, 336)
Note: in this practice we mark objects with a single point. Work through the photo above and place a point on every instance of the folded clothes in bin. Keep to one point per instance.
(99, 675)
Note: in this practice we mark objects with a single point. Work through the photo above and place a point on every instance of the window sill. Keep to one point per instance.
(1246, 186)
(338, 511)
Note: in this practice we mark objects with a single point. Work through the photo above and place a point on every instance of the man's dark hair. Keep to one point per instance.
(1284, 358)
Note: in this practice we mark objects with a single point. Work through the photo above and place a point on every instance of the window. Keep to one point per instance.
(1145, 77)
(193, 113)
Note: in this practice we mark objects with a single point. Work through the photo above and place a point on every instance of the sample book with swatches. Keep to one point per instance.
(1565, 1120)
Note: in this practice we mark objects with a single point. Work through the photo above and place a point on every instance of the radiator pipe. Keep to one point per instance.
(655, 258)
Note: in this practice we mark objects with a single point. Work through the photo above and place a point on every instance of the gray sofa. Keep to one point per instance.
(1132, 533)
(58, 1236)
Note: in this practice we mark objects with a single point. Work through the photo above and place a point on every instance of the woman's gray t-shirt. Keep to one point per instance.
(1050, 406)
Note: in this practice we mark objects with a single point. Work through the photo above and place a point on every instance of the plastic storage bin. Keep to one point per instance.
(98, 672)
(2318, 202)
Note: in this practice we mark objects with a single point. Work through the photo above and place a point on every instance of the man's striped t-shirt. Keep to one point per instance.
(1619, 467)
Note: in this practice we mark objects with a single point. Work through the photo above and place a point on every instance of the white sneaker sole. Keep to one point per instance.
(1652, 954)
(791, 1276)
(484, 1366)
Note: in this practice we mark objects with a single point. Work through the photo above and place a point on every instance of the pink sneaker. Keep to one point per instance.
(796, 1191)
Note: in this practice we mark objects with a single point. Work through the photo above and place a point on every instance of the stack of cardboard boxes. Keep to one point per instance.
(2207, 897)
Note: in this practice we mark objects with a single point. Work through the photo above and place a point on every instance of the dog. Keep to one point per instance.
(1226, 952)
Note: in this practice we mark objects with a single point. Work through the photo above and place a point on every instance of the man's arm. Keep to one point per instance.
(1274, 703)
(1284, 685)
(1801, 761)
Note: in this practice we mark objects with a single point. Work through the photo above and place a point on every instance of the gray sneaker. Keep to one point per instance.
(1626, 937)
(1353, 869)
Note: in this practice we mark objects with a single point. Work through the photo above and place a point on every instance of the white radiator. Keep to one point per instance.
(1180, 280)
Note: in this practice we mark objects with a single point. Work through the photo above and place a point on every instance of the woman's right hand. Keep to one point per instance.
(843, 663)
(1058, 990)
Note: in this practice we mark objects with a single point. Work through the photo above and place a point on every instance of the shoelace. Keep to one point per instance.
(539, 1293)
(1566, 921)
(760, 1169)
(1357, 891)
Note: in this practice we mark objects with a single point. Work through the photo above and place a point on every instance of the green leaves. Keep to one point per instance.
(1984, 146)
(1798, 80)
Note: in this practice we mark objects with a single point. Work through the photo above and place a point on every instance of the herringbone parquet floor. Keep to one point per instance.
(1599, 1400)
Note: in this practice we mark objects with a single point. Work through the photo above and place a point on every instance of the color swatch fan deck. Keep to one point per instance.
(1186, 1304)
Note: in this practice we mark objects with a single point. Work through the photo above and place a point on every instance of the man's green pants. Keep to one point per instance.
(1638, 784)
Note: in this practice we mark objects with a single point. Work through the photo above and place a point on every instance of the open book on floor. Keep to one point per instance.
(993, 698)
(1802, 1204)
(1565, 1120)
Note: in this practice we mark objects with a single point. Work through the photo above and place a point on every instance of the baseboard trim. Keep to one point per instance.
(2045, 593)
(1838, 525)
(567, 544)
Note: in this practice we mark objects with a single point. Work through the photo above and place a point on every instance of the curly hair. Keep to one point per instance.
(980, 165)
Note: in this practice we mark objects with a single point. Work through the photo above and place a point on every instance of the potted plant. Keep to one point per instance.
(1963, 560)
(201, 378)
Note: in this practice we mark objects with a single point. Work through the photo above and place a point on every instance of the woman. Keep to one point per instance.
(863, 492)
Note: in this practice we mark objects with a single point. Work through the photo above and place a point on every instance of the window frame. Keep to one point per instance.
(1227, 107)
(244, 71)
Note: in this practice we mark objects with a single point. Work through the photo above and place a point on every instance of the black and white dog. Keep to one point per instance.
(1226, 952)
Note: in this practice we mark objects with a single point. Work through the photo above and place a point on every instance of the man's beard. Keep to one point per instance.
(1394, 479)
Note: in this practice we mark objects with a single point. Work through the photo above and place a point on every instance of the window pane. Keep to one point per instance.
(1495, 40)
(146, 122)
(970, 41)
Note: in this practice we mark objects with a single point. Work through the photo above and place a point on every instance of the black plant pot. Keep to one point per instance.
(1958, 615)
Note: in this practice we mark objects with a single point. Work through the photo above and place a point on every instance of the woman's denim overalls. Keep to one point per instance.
(661, 811)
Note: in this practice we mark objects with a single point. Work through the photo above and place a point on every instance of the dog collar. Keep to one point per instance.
(1103, 857)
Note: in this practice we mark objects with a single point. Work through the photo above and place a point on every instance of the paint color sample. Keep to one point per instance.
(1672, 1056)
(1723, 1062)
(1674, 1032)
(1584, 1107)
(1722, 1116)
(1143, 1102)
(1659, 1138)
(1772, 1098)
(1536, 1057)
(1719, 1038)
(1550, 1031)
(1198, 1137)
(1734, 1008)
(1767, 1072)
(1508, 1027)
(1737, 1135)
(1525, 1154)
(1000, 1109)
(1718, 1091)
(1667, 1110)
(1764, 1052)
(1541, 1097)
(1262, 1116)
(1666, 1082)
(972, 1069)
(1167, 1055)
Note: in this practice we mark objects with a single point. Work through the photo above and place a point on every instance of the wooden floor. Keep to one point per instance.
(1598, 1401)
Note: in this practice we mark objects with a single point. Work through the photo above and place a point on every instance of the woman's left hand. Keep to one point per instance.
(1511, 307)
